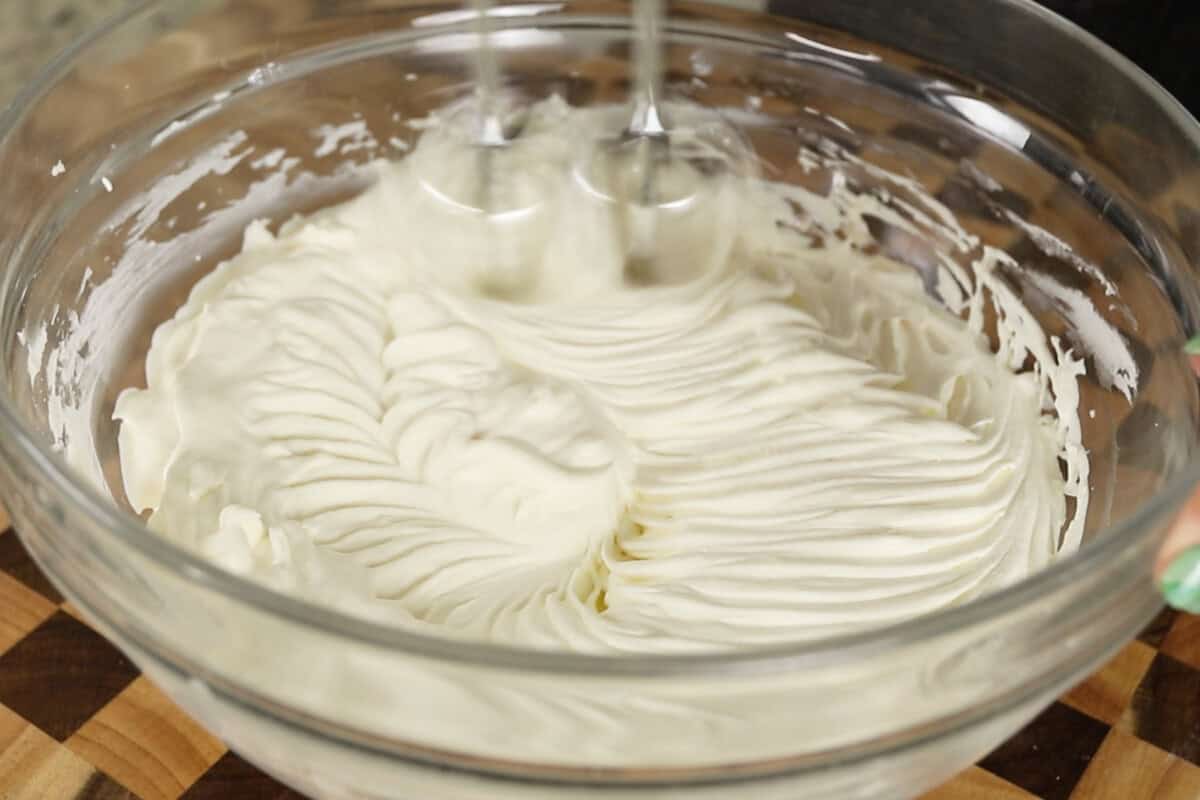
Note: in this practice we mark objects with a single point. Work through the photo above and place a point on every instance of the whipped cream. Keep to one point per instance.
(486, 428)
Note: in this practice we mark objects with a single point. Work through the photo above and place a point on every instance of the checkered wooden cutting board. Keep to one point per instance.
(78, 721)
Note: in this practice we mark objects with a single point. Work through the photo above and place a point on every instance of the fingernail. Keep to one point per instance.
(1181, 582)
(1192, 348)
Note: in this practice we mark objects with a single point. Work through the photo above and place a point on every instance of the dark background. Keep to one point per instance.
(1161, 36)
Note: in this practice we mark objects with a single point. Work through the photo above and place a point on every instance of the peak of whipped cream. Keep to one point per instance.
(485, 428)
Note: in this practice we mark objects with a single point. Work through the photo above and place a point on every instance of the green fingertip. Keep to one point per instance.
(1192, 348)
(1181, 582)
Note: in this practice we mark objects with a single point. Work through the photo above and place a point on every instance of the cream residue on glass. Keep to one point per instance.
(489, 429)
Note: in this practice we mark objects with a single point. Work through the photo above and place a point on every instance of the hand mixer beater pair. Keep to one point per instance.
(641, 158)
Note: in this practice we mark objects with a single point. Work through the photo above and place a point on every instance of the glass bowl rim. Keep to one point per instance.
(129, 531)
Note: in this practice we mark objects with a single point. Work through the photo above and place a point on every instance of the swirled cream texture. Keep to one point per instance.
(485, 428)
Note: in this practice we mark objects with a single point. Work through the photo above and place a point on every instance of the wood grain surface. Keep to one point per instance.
(78, 721)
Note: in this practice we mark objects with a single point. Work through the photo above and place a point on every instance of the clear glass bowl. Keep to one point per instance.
(148, 145)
